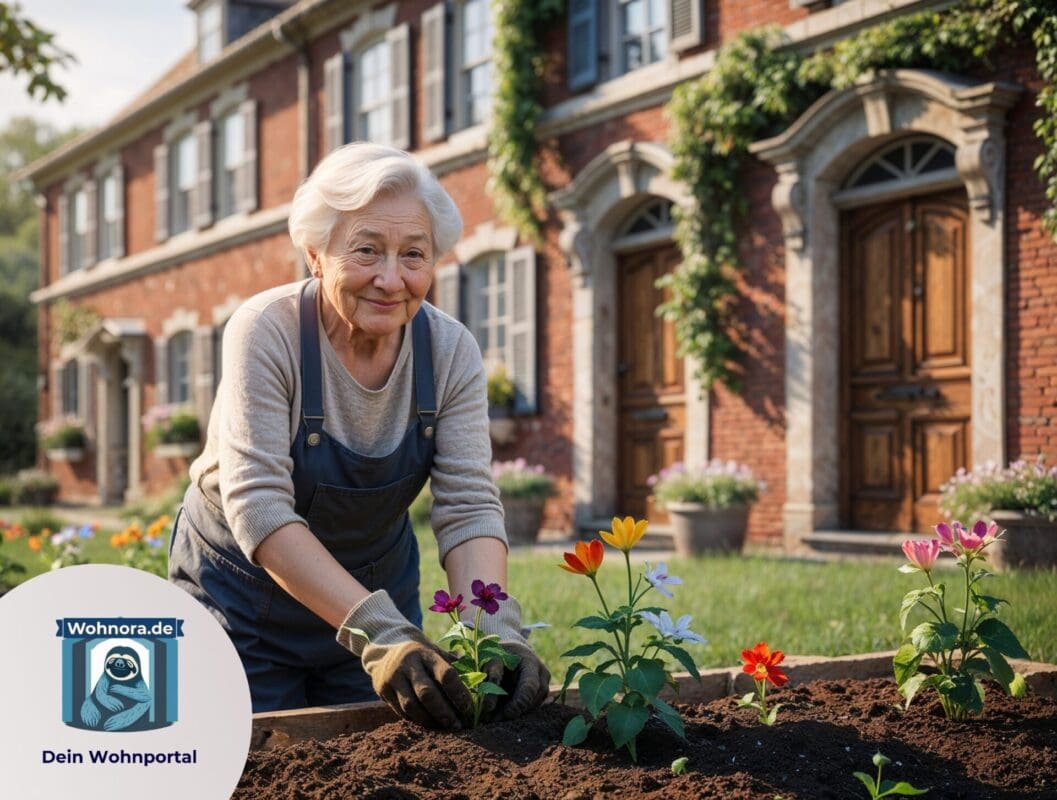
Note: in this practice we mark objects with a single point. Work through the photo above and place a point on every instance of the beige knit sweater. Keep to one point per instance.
(245, 469)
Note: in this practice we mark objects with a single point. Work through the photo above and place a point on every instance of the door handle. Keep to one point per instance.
(649, 415)
(908, 391)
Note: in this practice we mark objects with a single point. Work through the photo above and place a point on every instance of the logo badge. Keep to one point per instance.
(119, 674)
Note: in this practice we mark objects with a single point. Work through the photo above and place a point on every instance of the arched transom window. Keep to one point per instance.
(903, 161)
(655, 216)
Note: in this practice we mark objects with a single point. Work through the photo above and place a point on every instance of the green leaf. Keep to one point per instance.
(976, 666)
(867, 781)
(575, 731)
(574, 669)
(906, 662)
(494, 650)
(625, 722)
(596, 690)
(917, 597)
(1018, 687)
(456, 633)
(670, 717)
(472, 679)
(772, 715)
(595, 623)
(463, 664)
(932, 637)
(679, 765)
(683, 658)
(986, 603)
(1000, 669)
(487, 687)
(902, 788)
(907, 569)
(961, 689)
(915, 683)
(996, 634)
(748, 700)
(647, 678)
(585, 650)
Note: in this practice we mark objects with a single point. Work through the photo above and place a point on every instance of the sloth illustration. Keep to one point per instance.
(120, 691)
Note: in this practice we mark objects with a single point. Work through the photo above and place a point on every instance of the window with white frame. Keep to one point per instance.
(642, 33)
(373, 85)
(78, 229)
(71, 388)
(210, 30)
(184, 174)
(475, 69)
(108, 215)
(230, 155)
(486, 313)
(179, 358)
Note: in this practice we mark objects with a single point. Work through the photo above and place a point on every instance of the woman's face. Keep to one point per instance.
(378, 265)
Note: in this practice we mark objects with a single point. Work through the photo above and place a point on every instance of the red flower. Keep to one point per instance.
(443, 603)
(587, 560)
(762, 664)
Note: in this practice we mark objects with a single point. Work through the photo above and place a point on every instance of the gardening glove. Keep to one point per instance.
(408, 671)
(528, 684)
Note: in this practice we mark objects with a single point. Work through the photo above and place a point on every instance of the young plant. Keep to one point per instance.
(762, 663)
(624, 688)
(879, 788)
(476, 650)
(966, 644)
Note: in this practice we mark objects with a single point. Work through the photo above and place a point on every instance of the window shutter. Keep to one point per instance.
(64, 234)
(399, 39)
(434, 56)
(202, 366)
(202, 199)
(334, 93)
(686, 24)
(448, 292)
(117, 233)
(88, 257)
(161, 371)
(246, 174)
(583, 43)
(521, 336)
(161, 192)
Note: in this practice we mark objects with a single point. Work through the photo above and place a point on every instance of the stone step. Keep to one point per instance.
(870, 543)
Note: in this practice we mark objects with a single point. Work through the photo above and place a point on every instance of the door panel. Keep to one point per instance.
(905, 385)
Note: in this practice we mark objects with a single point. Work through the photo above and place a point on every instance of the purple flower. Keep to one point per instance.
(444, 603)
(487, 597)
(659, 578)
(155, 542)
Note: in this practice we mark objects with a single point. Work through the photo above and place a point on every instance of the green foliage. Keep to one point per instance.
(164, 504)
(757, 88)
(72, 322)
(178, 427)
(35, 488)
(513, 151)
(881, 788)
(38, 519)
(1026, 486)
(717, 485)
(66, 437)
(500, 388)
(26, 49)
(7, 490)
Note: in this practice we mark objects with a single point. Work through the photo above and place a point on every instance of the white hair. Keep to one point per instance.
(351, 177)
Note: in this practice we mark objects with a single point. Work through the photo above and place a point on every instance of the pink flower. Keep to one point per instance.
(443, 603)
(487, 596)
(921, 554)
(947, 538)
(980, 535)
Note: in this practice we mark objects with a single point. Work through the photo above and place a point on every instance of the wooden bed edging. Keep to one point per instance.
(280, 728)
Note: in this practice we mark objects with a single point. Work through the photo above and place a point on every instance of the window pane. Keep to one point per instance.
(180, 368)
(70, 375)
(187, 163)
(657, 15)
(632, 54)
(210, 31)
(109, 198)
(632, 20)
(234, 140)
(658, 45)
(479, 88)
(80, 212)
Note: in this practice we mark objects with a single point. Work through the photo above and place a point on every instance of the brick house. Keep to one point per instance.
(899, 289)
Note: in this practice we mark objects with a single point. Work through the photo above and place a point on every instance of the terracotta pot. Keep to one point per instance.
(524, 516)
(1029, 541)
(178, 450)
(697, 529)
(71, 454)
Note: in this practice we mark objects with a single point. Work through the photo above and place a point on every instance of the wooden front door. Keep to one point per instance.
(652, 398)
(905, 388)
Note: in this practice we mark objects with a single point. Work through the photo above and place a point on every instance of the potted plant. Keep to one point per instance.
(501, 425)
(708, 506)
(63, 439)
(35, 488)
(1021, 498)
(172, 431)
(523, 490)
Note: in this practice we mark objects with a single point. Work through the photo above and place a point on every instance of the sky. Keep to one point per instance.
(122, 47)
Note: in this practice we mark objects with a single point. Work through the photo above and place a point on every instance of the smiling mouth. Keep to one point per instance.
(383, 304)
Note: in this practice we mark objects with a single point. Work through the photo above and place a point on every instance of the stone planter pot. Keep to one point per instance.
(503, 430)
(71, 454)
(524, 516)
(178, 450)
(698, 529)
(1029, 541)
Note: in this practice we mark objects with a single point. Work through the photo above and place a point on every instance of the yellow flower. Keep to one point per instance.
(626, 533)
(119, 540)
(34, 544)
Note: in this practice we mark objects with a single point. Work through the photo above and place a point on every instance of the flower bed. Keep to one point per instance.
(836, 714)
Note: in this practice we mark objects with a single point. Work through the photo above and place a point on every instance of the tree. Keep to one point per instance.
(26, 49)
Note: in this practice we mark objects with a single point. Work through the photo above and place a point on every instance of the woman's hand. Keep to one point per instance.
(527, 685)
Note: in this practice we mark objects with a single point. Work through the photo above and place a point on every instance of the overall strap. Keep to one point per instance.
(311, 366)
(423, 363)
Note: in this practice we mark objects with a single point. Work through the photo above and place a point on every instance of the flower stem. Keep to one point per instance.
(478, 698)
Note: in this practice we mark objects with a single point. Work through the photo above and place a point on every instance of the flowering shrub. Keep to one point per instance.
(518, 479)
(965, 644)
(475, 649)
(624, 687)
(145, 551)
(62, 433)
(718, 484)
(762, 663)
(1026, 486)
(64, 548)
(171, 424)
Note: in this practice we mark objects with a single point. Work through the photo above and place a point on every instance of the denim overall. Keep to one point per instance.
(355, 505)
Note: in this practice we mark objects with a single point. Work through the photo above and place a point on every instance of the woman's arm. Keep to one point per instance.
(483, 558)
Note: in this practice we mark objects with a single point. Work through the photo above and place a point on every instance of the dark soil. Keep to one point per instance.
(826, 730)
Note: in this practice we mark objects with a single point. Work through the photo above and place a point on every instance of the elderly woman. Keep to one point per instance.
(341, 395)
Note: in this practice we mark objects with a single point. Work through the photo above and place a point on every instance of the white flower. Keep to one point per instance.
(659, 578)
(679, 631)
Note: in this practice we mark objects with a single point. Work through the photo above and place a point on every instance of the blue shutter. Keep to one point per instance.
(582, 61)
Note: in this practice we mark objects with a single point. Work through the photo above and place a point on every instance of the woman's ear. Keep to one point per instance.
(312, 259)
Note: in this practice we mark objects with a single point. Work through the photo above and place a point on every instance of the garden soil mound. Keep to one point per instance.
(826, 730)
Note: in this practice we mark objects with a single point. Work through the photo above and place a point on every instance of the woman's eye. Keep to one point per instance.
(365, 250)
(414, 254)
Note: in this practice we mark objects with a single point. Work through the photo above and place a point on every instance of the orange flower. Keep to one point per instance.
(34, 543)
(45, 532)
(762, 664)
(587, 559)
(625, 534)
(119, 540)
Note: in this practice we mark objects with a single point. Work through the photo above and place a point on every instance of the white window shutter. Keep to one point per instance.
(64, 234)
(161, 192)
(434, 57)
(117, 232)
(447, 293)
(521, 335)
(202, 197)
(686, 24)
(161, 371)
(399, 39)
(202, 364)
(582, 56)
(334, 93)
(246, 173)
(88, 256)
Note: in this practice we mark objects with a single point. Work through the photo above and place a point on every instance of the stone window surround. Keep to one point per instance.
(811, 159)
(181, 320)
(593, 208)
